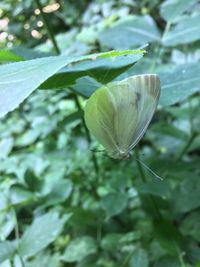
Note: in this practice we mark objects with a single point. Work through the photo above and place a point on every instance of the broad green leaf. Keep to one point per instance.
(28, 53)
(44, 259)
(61, 190)
(79, 248)
(186, 31)
(156, 188)
(185, 197)
(19, 80)
(20, 194)
(130, 32)
(114, 203)
(167, 261)
(85, 86)
(6, 55)
(43, 231)
(111, 242)
(6, 146)
(192, 251)
(167, 235)
(179, 83)
(191, 225)
(7, 250)
(139, 258)
(171, 9)
(102, 70)
(115, 241)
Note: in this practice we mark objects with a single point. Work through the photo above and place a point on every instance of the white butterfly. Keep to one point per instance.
(119, 113)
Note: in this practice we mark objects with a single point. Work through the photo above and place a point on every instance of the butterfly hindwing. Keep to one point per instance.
(119, 113)
(99, 113)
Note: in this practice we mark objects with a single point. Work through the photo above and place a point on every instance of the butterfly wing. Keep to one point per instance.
(99, 113)
(147, 90)
(119, 113)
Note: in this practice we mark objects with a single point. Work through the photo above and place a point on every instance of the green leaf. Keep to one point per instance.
(44, 260)
(111, 242)
(19, 80)
(186, 195)
(115, 241)
(61, 190)
(168, 261)
(114, 203)
(6, 55)
(136, 30)
(191, 225)
(192, 251)
(79, 248)
(171, 9)
(186, 31)
(179, 83)
(43, 231)
(85, 86)
(167, 235)
(102, 70)
(139, 258)
(20, 194)
(156, 188)
(7, 250)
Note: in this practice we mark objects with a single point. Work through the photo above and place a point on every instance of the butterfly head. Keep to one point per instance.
(119, 154)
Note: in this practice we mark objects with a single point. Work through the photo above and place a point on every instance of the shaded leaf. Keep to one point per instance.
(43, 231)
(102, 70)
(179, 83)
(139, 258)
(19, 80)
(114, 203)
(171, 9)
(167, 261)
(186, 31)
(7, 250)
(156, 188)
(191, 225)
(79, 248)
(186, 195)
(167, 235)
(130, 32)
(44, 260)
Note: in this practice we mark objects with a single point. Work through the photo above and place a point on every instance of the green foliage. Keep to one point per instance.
(79, 248)
(62, 201)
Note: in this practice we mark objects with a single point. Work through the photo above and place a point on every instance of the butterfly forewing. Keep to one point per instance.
(147, 88)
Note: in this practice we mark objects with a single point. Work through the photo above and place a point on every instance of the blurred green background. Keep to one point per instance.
(62, 203)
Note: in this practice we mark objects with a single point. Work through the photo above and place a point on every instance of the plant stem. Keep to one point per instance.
(48, 28)
(12, 263)
(94, 159)
(158, 48)
(17, 235)
(180, 257)
(156, 209)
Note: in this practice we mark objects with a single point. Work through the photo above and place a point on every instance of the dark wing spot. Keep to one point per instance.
(137, 100)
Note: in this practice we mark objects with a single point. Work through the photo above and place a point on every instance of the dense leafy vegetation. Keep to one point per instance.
(62, 201)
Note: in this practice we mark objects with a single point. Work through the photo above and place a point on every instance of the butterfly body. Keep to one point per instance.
(119, 113)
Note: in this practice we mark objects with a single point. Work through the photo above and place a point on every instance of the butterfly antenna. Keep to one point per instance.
(149, 169)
